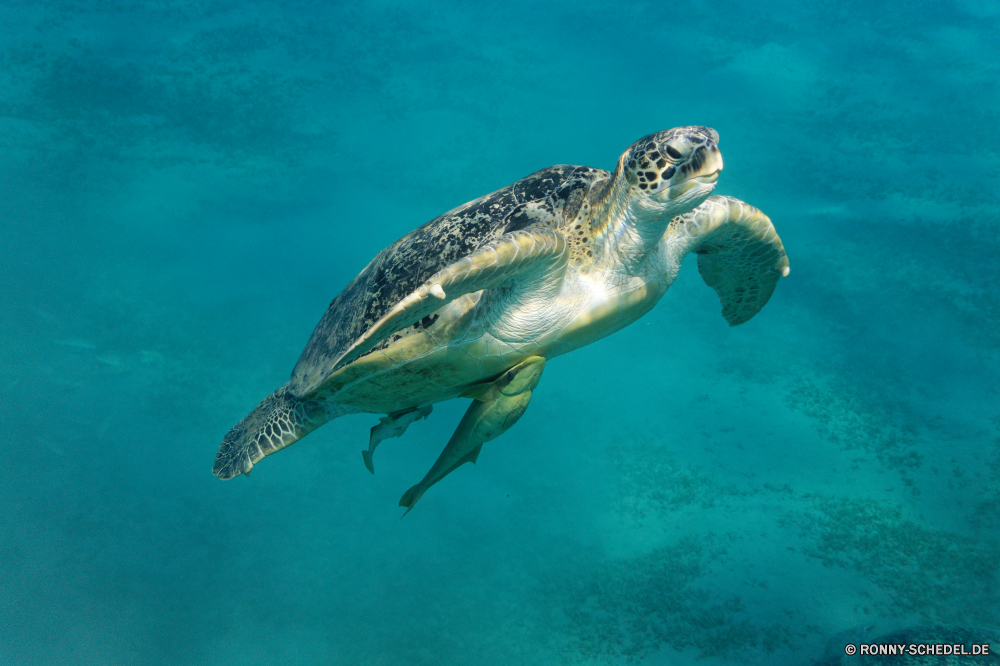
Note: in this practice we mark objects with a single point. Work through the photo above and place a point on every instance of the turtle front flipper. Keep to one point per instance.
(393, 425)
(534, 259)
(279, 420)
(499, 407)
(740, 255)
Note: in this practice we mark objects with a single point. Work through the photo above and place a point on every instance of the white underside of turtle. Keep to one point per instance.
(474, 302)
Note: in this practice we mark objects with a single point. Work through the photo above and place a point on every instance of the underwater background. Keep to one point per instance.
(184, 187)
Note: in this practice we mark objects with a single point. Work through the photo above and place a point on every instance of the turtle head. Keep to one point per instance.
(671, 172)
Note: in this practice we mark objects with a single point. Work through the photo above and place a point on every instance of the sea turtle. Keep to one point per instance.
(474, 302)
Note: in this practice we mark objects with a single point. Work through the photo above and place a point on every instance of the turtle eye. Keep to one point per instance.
(673, 152)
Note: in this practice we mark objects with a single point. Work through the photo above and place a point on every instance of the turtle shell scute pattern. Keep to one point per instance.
(550, 198)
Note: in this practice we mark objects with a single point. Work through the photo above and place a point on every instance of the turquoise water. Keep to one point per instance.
(184, 187)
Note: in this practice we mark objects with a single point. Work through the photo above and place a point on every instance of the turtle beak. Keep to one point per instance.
(704, 178)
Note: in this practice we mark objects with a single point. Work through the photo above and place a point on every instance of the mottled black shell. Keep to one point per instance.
(551, 197)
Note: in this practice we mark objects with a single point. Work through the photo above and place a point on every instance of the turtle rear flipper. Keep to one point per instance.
(740, 255)
(279, 420)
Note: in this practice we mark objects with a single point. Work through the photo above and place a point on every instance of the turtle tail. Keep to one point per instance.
(279, 420)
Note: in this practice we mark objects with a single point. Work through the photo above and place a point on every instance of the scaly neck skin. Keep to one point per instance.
(631, 229)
